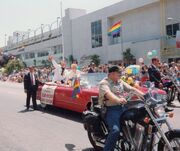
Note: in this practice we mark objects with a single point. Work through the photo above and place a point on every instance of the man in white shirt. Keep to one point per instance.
(60, 71)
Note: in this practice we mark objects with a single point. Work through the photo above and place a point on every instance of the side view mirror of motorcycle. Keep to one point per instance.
(151, 85)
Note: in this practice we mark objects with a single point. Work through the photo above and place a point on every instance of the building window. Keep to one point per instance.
(42, 54)
(19, 56)
(116, 38)
(29, 55)
(172, 29)
(96, 34)
(57, 49)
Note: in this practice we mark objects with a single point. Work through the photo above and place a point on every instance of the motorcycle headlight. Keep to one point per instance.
(163, 97)
(159, 110)
(160, 97)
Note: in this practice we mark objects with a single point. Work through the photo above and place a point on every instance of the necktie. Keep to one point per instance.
(32, 80)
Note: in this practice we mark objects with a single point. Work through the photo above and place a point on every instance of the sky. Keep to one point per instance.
(21, 15)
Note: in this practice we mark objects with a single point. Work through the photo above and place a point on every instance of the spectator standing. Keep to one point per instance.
(30, 87)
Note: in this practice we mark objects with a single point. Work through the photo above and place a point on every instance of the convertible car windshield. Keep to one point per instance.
(90, 80)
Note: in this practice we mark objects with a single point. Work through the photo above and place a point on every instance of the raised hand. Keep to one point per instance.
(50, 58)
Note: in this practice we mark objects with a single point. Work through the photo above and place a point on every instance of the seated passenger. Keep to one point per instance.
(60, 71)
(73, 73)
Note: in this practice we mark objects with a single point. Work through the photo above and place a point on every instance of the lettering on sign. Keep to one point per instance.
(47, 94)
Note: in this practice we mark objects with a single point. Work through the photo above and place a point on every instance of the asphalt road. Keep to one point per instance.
(50, 130)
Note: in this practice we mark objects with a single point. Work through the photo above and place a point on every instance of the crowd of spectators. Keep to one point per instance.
(45, 74)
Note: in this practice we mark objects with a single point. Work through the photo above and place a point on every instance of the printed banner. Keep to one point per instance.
(47, 94)
(178, 39)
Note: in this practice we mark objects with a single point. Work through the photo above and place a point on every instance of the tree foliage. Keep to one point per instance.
(13, 65)
(45, 63)
(95, 58)
(34, 61)
(127, 56)
(71, 59)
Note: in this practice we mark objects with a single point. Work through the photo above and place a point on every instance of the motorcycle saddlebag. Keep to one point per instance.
(92, 121)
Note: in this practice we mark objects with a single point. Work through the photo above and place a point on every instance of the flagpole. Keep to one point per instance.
(122, 47)
(62, 35)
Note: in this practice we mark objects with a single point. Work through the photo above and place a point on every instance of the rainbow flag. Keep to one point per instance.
(76, 91)
(115, 29)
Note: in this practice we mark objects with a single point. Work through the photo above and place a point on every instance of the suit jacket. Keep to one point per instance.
(154, 75)
(28, 84)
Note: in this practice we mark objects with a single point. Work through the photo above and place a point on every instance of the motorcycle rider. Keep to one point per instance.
(111, 95)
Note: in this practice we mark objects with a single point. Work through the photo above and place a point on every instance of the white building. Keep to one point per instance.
(145, 27)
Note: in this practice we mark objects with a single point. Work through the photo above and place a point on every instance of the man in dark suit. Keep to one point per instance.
(154, 73)
(30, 87)
(155, 76)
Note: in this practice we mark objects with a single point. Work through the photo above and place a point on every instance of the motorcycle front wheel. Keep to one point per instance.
(174, 139)
(94, 140)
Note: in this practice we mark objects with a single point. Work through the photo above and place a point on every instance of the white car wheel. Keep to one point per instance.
(43, 105)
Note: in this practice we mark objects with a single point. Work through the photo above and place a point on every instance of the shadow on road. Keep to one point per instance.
(63, 113)
(174, 105)
(72, 147)
(67, 114)
(88, 149)
(25, 110)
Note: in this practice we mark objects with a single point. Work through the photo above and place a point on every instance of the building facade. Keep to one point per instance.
(145, 27)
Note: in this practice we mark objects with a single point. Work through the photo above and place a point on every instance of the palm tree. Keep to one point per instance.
(71, 59)
(95, 58)
(128, 58)
(43, 62)
(34, 62)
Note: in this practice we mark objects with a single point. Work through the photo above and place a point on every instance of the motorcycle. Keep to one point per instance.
(172, 87)
(141, 124)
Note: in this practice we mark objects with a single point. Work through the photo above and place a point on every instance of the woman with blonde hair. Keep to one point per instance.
(73, 73)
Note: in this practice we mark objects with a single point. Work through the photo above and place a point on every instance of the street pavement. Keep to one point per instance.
(53, 129)
(50, 130)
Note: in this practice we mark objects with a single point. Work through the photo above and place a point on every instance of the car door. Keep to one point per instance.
(64, 99)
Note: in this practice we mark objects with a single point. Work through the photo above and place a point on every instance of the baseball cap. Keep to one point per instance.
(114, 68)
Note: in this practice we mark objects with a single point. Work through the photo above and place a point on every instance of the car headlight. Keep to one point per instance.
(159, 110)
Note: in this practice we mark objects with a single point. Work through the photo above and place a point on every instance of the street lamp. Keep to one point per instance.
(47, 25)
(5, 39)
(58, 22)
(23, 37)
(29, 30)
(35, 32)
(5, 42)
(42, 25)
(17, 36)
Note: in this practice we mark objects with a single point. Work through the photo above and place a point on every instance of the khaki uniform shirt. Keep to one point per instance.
(107, 85)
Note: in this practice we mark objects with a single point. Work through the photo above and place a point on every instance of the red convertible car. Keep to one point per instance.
(61, 95)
